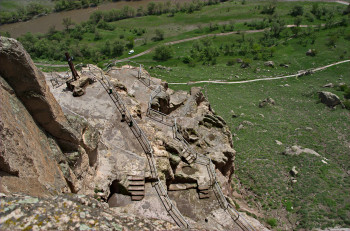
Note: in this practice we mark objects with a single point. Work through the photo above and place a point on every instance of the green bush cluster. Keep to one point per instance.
(23, 13)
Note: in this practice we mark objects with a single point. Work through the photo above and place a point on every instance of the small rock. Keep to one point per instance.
(308, 128)
(239, 60)
(278, 142)
(294, 171)
(267, 101)
(329, 85)
(294, 181)
(233, 114)
(240, 127)
(311, 52)
(284, 65)
(269, 64)
(287, 85)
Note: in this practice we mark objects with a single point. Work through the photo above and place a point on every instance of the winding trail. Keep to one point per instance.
(176, 42)
(301, 73)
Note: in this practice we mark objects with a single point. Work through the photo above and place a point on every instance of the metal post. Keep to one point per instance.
(71, 66)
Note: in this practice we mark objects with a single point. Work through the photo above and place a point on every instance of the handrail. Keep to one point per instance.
(206, 161)
(143, 140)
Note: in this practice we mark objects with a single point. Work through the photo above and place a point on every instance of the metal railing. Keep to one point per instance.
(200, 159)
(143, 140)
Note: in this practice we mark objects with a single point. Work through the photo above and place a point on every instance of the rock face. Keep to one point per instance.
(69, 212)
(28, 157)
(17, 68)
(328, 98)
(43, 152)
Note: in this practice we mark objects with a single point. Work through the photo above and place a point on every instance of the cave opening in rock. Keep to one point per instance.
(119, 195)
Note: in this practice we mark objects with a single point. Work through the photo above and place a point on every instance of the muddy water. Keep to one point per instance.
(42, 24)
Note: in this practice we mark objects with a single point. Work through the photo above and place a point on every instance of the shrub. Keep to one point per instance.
(297, 10)
(163, 53)
(272, 222)
(230, 63)
(347, 104)
(159, 35)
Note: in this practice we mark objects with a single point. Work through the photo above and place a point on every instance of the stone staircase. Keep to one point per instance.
(203, 191)
(136, 187)
(188, 156)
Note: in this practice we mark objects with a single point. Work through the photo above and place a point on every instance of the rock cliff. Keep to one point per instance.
(43, 151)
(53, 142)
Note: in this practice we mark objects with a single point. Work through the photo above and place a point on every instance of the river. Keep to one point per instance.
(42, 24)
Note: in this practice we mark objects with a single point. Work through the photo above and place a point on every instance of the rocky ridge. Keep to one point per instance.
(104, 153)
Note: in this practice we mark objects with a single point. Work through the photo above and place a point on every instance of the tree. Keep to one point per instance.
(159, 35)
(163, 53)
(117, 48)
(297, 10)
(67, 22)
(297, 21)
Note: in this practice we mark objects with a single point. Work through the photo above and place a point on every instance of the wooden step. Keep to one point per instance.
(136, 183)
(203, 196)
(136, 178)
(203, 187)
(137, 193)
(136, 188)
(137, 198)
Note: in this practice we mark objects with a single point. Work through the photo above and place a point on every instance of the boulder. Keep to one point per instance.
(266, 102)
(328, 98)
(269, 64)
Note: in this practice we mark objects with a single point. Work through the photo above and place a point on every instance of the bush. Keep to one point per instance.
(163, 53)
(230, 63)
(272, 222)
(159, 35)
(347, 104)
(297, 10)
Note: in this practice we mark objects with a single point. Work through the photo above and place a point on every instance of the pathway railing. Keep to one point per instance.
(199, 159)
(143, 140)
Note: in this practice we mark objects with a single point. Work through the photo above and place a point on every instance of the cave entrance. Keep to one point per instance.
(119, 195)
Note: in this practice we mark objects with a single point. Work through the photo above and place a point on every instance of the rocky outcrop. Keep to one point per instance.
(40, 145)
(29, 84)
(28, 156)
(69, 212)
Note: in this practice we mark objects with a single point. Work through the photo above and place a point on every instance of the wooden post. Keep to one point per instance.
(71, 66)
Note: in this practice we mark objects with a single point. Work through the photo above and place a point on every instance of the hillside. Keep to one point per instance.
(261, 66)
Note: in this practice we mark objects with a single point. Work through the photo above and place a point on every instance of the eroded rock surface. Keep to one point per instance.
(69, 212)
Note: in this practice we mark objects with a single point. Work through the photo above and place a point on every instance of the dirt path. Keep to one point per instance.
(301, 73)
(199, 37)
